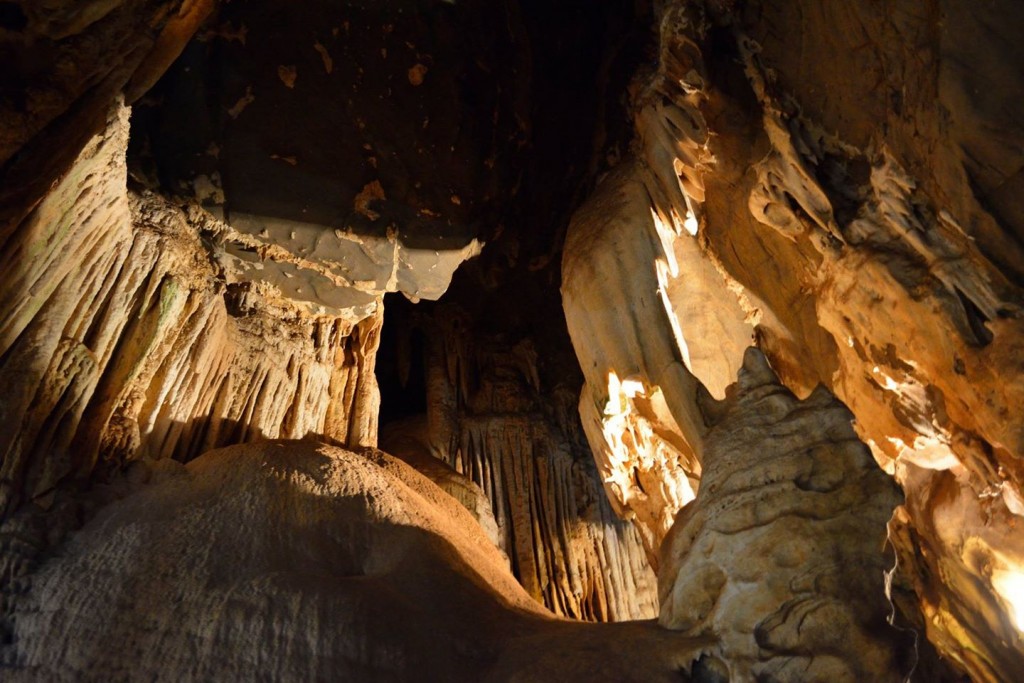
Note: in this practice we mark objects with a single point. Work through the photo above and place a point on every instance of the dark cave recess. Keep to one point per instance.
(449, 120)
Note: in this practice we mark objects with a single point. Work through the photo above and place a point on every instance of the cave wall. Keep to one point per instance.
(500, 411)
(913, 279)
(131, 343)
(498, 384)
(499, 375)
(158, 328)
(355, 565)
(61, 80)
(842, 211)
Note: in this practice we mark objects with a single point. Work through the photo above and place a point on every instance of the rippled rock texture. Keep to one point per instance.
(836, 184)
(862, 235)
(157, 328)
(780, 553)
(122, 340)
(493, 417)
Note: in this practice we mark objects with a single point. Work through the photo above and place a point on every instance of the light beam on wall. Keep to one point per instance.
(1009, 583)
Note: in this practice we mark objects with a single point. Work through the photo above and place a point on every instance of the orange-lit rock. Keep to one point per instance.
(300, 561)
(631, 201)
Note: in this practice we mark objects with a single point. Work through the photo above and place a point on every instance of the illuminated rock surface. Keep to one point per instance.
(632, 196)
(779, 554)
(130, 343)
(858, 229)
(299, 561)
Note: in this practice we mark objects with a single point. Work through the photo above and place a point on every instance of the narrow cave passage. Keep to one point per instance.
(401, 363)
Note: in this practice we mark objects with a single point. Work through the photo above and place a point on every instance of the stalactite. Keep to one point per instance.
(857, 266)
(130, 344)
(489, 420)
(653, 321)
(928, 337)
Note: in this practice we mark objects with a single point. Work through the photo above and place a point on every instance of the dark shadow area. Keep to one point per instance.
(401, 366)
(445, 121)
(12, 17)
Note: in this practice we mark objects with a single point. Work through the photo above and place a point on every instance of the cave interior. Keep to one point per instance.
(532, 340)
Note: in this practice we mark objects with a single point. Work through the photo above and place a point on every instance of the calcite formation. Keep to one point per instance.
(334, 270)
(855, 238)
(300, 561)
(779, 555)
(406, 441)
(193, 331)
(636, 380)
(490, 420)
(61, 80)
(122, 340)
(653, 321)
(922, 313)
(836, 184)
(974, 545)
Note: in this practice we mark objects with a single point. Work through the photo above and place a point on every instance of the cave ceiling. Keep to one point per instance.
(379, 145)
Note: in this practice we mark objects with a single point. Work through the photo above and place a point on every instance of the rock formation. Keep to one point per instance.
(652, 320)
(856, 242)
(493, 417)
(406, 442)
(191, 331)
(122, 340)
(492, 420)
(203, 206)
(299, 561)
(775, 555)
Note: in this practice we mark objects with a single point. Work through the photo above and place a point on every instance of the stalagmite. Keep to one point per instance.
(874, 283)
(780, 555)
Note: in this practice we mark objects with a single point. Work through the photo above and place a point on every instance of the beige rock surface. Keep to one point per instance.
(491, 420)
(900, 266)
(871, 248)
(60, 81)
(638, 391)
(974, 544)
(120, 339)
(654, 321)
(867, 237)
(780, 555)
(300, 561)
(409, 441)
